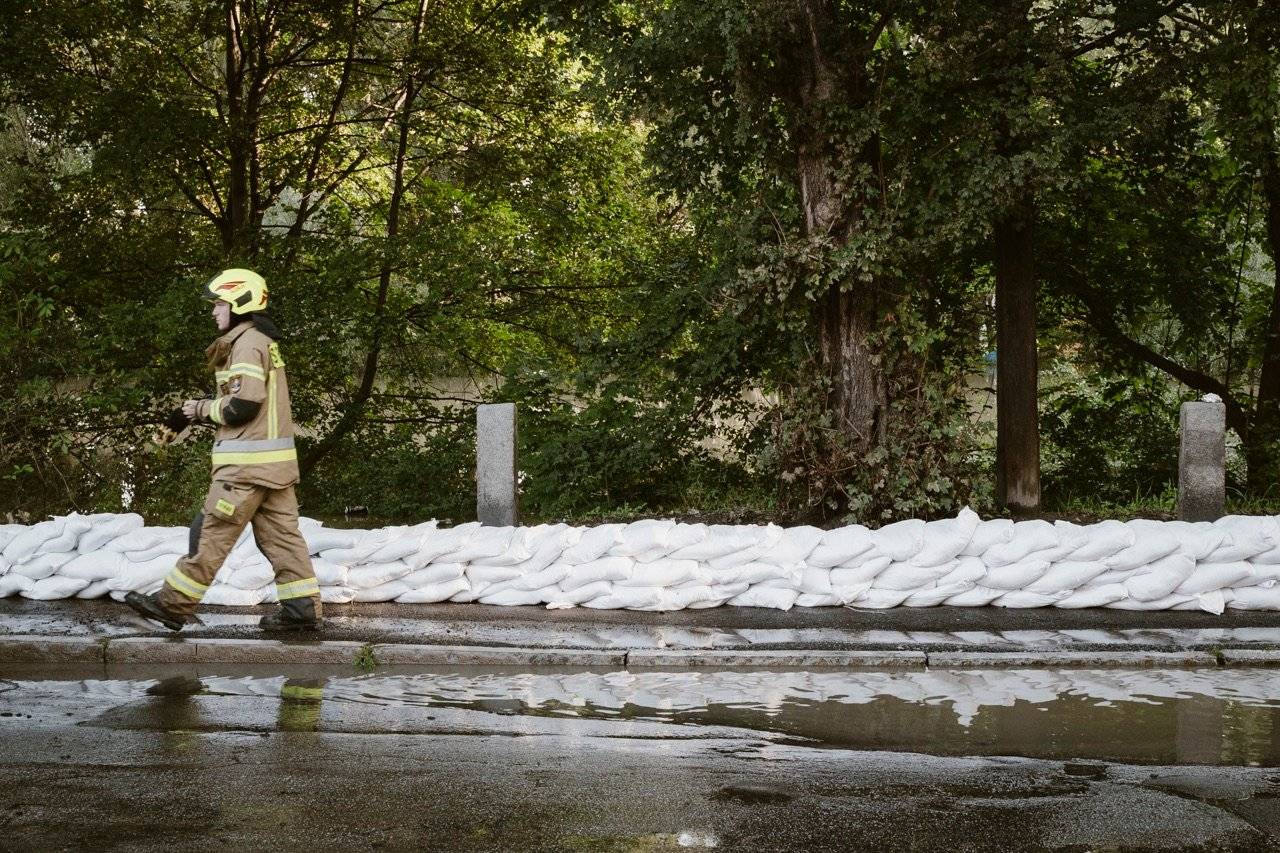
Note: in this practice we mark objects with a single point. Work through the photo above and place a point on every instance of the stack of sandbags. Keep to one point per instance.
(664, 565)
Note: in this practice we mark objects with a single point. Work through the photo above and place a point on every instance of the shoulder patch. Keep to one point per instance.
(277, 360)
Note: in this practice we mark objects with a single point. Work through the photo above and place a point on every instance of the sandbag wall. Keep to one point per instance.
(663, 565)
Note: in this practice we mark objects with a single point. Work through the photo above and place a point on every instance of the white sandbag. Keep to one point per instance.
(643, 538)
(978, 596)
(933, 596)
(901, 540)
(1028, 538)
(814, 582)
(1207, 577)
(140, 577)
(440, 544)
(603, 569)
(43, 565)
(224, 595)
(968, 572)
(840, 546)
(1102, 540)
(514, 597)
(1067, 576)
(488, 575)
(95, 566)
(545, 545)
(74, 526)
(689, 597)
(1195, 539)
(48, 589)
(432, 593)
(720, 540)
(1014, 575)
(383, 592)
(878, 599)
(329, 574)
(328, 539)
(664, 572)
(492, 543)
(1071, 537)
(579, 594)
(9, 532)
(145, 538)
(944, 540)
(793, 547)
(1144, 551)
(1160, 578)
(95, 589)
(108, 529)
(750, 573)
(1168, 602)
(807, 599)
(435, 573)
(592, 544)
(627, 597)
(13, 584)
(252, 576)
(1020, 598)
(1248, 536)
(403, 544)
(1210, 602)
(849, 593)
(765, 538)
(865, 571)
(757, 596)
(1255, 598)
(176, 547)
(337, 594)
(374, 575)
(550, 576)
(909, 576)
(679, 537)
(987, 535)
(27, 542)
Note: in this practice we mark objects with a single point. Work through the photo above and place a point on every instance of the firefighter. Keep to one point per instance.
(255, 466)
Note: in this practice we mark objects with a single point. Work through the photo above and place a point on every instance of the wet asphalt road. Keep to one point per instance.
(261, 762)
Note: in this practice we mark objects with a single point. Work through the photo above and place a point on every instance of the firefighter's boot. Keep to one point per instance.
(294, 614)
(150, 607)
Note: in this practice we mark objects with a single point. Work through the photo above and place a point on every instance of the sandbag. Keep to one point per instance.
(43, 565)
(47, 589)
(432, 593)
(108, 529)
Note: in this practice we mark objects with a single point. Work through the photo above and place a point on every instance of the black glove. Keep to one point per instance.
(177, 421)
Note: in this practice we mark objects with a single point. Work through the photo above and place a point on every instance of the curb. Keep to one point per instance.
(790, 659)
(1009, 660)
(38, 649)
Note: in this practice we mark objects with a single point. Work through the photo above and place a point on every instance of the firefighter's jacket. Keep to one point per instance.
(254, 439)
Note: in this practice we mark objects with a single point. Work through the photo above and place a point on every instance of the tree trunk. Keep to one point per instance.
(235, 228)
(1017, 366)
(1261, 450)
(845, 317)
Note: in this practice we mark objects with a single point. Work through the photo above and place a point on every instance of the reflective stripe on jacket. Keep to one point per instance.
(258, 450)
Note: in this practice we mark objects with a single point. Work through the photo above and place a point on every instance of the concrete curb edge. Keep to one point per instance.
(39, 649)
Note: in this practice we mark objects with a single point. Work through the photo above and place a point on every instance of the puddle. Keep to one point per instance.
(1211, 716)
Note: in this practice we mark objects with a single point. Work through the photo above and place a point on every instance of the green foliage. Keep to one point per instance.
(1109, 440)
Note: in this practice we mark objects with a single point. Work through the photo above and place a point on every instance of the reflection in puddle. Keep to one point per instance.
(1208, 716)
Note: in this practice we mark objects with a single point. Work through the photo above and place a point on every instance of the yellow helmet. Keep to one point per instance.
(244, 290)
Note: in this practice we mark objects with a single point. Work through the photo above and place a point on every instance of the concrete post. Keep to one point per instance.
(496, 495)
(1202, 460)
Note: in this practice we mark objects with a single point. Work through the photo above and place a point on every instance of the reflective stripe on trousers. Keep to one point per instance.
(253, 451)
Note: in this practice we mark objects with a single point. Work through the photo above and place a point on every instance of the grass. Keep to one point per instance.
(366, 660)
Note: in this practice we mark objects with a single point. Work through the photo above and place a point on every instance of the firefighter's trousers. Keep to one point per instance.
(228, 508)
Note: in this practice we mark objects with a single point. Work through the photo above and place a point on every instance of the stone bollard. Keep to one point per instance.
(1202, 460)
(496, 494)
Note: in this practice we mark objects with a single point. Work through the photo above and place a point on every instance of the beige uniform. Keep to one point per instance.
(255, 467)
